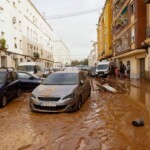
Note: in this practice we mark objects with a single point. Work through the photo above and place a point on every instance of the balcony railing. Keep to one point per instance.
(122, 47)
(36, 55)
(148, 33)
(118, 5)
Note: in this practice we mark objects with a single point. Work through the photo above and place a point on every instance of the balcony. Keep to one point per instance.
(117, 6)
(36, 55)
(147, 1)
(148, 33)
(2, 43)
(121, 48)
(121, 22)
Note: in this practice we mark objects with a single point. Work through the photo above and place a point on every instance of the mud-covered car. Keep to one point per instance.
(9, 85)
(61, 92)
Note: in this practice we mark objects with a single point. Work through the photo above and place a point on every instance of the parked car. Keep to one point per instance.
(36, 68)
(61, 92)
(28, 81)
(103, 69)
(46, 72)
(9, 85)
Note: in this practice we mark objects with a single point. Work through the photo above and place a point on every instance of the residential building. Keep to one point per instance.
(104, 34)
(61, 54)
(147, 41)
(25, 34)
(93, 57)
(128, 30)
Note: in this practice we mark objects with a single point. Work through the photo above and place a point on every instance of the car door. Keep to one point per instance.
(9, 87)
(15, 84)
(83, 89)
(27, 82)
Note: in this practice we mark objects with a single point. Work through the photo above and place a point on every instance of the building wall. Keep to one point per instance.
(104, 34)
(25, 31)
(61, 54)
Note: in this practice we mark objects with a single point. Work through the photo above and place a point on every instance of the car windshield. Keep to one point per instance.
(102, 67)
(2, 77)
(61, 79)
(26, 68)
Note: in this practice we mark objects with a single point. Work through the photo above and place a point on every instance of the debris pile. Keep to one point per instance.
(111, 85)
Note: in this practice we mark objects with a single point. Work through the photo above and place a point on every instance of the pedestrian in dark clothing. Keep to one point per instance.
(122, 70)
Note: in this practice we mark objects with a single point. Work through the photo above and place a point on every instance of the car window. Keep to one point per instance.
(62, 79)
(9, 77)
(22, 75)
(14, 76)
(2, 77)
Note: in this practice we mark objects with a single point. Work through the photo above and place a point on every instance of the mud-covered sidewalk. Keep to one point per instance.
(103, 123)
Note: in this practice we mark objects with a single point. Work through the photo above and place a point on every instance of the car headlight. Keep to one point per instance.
(72, 95)
(33, 96)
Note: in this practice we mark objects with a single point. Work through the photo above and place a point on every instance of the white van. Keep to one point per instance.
(103, 69)
(32, 67)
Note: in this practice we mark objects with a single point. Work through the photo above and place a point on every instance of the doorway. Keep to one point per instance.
(142, 68)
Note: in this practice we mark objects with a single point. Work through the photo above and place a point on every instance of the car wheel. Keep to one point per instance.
(89, 94)
(3, 101)
(18, 92)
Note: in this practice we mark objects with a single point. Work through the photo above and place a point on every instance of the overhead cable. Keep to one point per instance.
(72, 14)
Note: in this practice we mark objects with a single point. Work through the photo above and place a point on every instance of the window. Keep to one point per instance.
(20, 44)
(23, 75)
(20, 25)
(132, 8)
(9, 78)
(132, 35)
(14, 4)
(15, 42)
(15, 77)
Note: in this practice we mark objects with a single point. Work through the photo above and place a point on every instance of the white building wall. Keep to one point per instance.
(25, 31)
(61, 54)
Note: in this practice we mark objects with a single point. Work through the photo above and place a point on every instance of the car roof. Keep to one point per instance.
(67, 72)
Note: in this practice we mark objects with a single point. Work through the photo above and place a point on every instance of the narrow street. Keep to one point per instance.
(103, 123)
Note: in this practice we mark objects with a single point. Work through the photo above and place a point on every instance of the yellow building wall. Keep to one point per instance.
(107, 26)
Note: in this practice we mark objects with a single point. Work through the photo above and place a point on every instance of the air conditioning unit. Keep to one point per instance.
(14, 20)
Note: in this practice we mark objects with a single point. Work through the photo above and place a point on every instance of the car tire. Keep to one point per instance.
(3, 101)
(31, 109)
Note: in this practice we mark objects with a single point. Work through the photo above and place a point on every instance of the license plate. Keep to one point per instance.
(53, 104)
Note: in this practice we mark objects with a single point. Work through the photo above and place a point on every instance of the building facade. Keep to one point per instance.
(61, 54)
(24, 34)
(129, 33)
(104, 35)
(147, 41)
(93, 57)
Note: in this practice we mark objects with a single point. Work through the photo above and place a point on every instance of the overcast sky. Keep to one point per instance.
(76, 32)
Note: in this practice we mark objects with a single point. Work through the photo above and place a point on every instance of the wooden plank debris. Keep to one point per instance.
(109, 88)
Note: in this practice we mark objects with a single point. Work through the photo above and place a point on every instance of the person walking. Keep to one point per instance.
(122, 70)
(128, 70)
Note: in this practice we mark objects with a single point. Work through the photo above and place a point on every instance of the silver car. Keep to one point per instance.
(61, 92)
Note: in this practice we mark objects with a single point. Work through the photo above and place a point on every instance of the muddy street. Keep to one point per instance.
(103, 123)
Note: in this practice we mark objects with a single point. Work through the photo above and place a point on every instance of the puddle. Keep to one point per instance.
(140, 96)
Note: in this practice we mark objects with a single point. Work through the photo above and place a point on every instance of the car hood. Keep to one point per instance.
(53, 90)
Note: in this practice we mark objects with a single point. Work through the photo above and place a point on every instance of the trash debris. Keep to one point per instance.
(138, 122)
(111, 85)
(109, 88)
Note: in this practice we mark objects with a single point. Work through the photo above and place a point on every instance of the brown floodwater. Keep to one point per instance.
(103, 123)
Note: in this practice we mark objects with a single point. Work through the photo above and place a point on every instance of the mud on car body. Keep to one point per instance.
(61, 92)
(9, 85)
